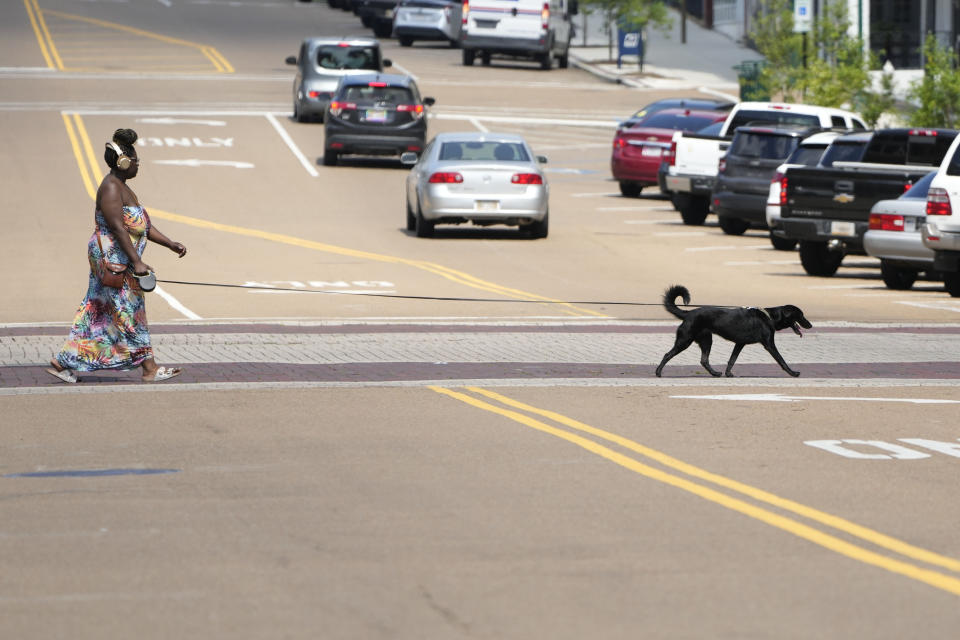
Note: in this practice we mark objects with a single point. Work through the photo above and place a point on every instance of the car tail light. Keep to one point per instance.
(783, 191)
(886, 222)
(414, 147)
(670, 155)
(376, 84)
(337, 107)
(619, 142)
(313, 94)
(445, 177)
(526, 178)
(545, 16)
(722, 164)
(466, 11)
(923, 132)
(416, 110)
(938, 202)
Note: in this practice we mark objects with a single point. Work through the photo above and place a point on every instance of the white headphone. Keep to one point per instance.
(123, 161)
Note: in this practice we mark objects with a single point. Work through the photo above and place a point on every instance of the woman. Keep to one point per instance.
(110, 329)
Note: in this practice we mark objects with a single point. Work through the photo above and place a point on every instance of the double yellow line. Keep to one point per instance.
(937, 579)
(54, 61)
(91, 176)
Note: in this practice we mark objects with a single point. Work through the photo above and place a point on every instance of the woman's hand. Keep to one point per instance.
(178, 249)
(140, 267)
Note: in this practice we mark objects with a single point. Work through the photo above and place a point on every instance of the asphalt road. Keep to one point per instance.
(360, 464)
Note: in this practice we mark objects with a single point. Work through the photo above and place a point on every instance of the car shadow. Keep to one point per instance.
(473, 233)
(366, 162)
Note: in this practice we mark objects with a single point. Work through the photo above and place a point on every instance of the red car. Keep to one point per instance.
(637, 150)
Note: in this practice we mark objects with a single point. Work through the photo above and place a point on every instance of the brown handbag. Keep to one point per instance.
(110, 274)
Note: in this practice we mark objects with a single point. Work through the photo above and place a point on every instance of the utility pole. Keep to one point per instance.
(683, 21)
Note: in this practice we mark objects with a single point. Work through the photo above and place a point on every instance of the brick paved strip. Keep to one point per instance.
(251, 372)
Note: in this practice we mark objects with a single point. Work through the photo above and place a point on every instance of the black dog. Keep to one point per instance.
(739, 325)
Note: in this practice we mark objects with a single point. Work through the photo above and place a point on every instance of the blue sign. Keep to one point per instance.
(629, 43)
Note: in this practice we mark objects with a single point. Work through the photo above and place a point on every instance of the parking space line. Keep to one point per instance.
(941, 581)
(292, 145)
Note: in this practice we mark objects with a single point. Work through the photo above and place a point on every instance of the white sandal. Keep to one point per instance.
(164, 373)
(64, 374)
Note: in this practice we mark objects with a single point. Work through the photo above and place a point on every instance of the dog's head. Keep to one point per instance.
(789, 316)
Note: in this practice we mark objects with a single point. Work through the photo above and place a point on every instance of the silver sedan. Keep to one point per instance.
(480, 178)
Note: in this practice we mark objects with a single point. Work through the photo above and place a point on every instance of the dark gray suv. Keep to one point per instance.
(376, 114)
(321, 63)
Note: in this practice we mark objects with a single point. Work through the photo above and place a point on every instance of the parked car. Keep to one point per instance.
(669, 157)
(376, 15)
(480, 178)
(537, 29)
(895, 236)
(695, 104)
(820, 149)
(376, 114)
(636, 155)
(942, 229)
(427, 20)
(321, 63)
(745, 171)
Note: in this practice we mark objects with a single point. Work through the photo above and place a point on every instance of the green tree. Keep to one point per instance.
(635, 14)
(938, 93)
(773, 37)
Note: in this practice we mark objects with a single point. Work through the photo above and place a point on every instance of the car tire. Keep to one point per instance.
(818, 260)
(951, 282)
(783, 244)
(406, 42)
(485, 58)
(424, 227)
(693, 209)
(411, 218)
(453, 44)
(298, 113)
(367, 22)
(330, 158)
(563, 61)
(897, 278)
(468, 57)
(546, 61)
(630, 189)
(734, 226)
(538, 228)
(382, 30)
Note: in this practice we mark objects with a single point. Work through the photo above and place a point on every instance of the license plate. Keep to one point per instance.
(678, 184)
(651, 151)
(910, 224)
(488, 205)
(376, 115)
(843, 228)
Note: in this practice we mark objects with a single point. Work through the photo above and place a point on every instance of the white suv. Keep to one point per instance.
(942, 229)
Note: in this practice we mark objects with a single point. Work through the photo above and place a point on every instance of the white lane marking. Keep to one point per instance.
(776, 397)
(746, 263)
(292, 145)
(479, 126)
(176, 304)
(169, 120)
(663, 222)
(521, 120)
(595, 195)
(352, 292)
(729, 247)
(194, 162)
(166, 3)
(628, 208)
(673, 234)
(406, 71)
(945, 305)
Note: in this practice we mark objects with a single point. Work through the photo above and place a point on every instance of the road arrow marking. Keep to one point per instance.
(213, 163)
(208, 123)
(776, 397)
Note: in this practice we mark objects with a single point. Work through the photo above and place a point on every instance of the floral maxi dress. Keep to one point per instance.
(110, 329)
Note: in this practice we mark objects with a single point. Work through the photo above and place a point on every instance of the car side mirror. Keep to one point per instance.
(408, 158)
(387, 62)
(429, 101)
(291, 60)
(542, 159)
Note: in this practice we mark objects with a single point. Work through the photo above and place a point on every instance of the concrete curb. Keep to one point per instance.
(600, 73)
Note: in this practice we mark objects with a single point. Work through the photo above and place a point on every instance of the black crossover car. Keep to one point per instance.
(376, 114)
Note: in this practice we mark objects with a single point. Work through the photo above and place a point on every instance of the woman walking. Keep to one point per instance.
(110, 329)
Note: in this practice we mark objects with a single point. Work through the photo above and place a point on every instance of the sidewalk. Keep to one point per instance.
(706, 61)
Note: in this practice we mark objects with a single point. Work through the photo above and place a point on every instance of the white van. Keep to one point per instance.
(538, 29)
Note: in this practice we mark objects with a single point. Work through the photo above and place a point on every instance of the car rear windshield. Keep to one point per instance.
(676, 121)
(484, 151)
(807, 155)
(425, 4)
(363, 94)
(762, 145)
(348, 57)
(907, 148)
(843, 152)
(747, 116)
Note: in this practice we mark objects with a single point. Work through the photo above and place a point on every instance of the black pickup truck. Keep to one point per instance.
(828, 208)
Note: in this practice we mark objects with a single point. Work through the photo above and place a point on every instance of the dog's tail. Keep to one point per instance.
(670, 297)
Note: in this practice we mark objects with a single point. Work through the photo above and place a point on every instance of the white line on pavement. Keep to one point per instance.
(176, 304)
(479, 126)
(520, 120)
(290, 143)
(776, 397)
(728, 247)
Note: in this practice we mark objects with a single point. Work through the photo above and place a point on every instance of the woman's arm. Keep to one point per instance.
(111, 205)
(154, 235)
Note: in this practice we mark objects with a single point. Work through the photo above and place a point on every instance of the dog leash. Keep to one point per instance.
(441, 298)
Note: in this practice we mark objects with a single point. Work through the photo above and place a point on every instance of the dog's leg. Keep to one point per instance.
(678, 346)
(705, 340)
(737, 348)
(772, 350)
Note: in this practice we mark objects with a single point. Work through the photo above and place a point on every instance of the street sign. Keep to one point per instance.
(802, 16)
